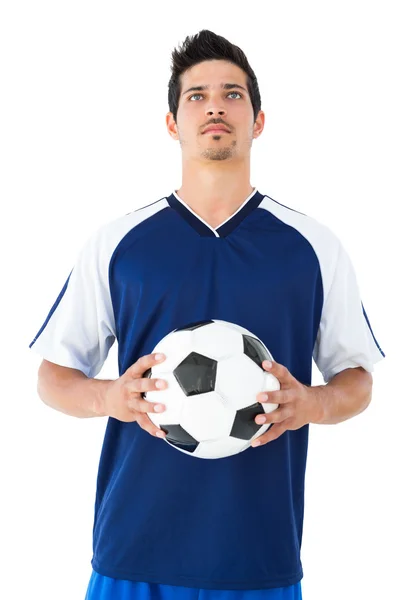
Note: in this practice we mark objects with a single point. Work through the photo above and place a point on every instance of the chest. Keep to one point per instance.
(252, 269)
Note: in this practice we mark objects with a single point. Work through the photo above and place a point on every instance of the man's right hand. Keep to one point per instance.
(122, 398)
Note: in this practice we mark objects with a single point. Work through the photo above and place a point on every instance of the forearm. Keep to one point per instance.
(70, 391)
(346, 395)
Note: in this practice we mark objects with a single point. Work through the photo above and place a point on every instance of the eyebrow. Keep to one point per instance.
(225, 86)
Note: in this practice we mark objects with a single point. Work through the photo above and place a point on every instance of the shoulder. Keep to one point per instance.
(319, 235)
(107, 235)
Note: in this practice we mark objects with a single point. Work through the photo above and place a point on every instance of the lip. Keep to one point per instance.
(216, 129)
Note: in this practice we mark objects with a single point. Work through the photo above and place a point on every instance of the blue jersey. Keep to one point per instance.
(162, 516)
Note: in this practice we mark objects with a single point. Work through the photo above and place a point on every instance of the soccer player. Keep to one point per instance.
(167, 525)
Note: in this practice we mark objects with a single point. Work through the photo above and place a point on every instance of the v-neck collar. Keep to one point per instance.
(227, 226)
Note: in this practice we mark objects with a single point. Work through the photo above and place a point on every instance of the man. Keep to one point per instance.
(168, 525)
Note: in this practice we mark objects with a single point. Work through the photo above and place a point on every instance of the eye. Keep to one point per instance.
(193, 95)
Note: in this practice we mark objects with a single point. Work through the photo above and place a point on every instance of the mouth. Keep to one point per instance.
(216, 130)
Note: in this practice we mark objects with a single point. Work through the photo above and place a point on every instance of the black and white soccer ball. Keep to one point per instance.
(214, 373)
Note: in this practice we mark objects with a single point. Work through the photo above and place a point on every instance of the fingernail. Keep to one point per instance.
(158, 408)
(159, 356)
(256, 443)
(160, 384)
(268, 364)
(160, 434)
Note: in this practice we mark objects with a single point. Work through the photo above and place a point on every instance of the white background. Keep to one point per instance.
(83, 141)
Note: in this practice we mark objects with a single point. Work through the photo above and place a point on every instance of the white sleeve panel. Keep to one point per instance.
(344, 339)
(80, 328)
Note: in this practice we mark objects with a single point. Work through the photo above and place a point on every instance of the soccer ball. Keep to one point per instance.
(214, 373)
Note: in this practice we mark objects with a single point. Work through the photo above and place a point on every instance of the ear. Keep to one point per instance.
(259, 124)
(172, 126)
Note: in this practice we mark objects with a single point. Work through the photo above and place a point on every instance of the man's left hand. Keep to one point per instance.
(298, 405)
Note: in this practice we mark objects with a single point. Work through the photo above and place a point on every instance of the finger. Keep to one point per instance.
(279, 371)
(275, 416)
(273, 397)
(146, 424)
(272, 434)
(136, 390)
(146, 384)
(137, 403)
(143, 363)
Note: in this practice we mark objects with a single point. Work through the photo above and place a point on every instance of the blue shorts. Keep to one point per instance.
(107, 588)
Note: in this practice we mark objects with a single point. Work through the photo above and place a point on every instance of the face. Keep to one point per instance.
(230, 106)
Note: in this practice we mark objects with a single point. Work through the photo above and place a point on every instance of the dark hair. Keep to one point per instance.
(207, 45)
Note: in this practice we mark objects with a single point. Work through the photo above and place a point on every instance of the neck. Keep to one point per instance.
(215, 189)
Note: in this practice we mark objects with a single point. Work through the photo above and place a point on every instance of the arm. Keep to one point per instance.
(70, 391)
(346, 395)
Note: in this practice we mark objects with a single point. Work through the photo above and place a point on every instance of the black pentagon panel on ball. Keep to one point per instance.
(196, 374)
(193, 326)
(255, 350)
(177, 436)
(244, 426)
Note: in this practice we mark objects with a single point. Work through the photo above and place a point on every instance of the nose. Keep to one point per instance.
(220, 111)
